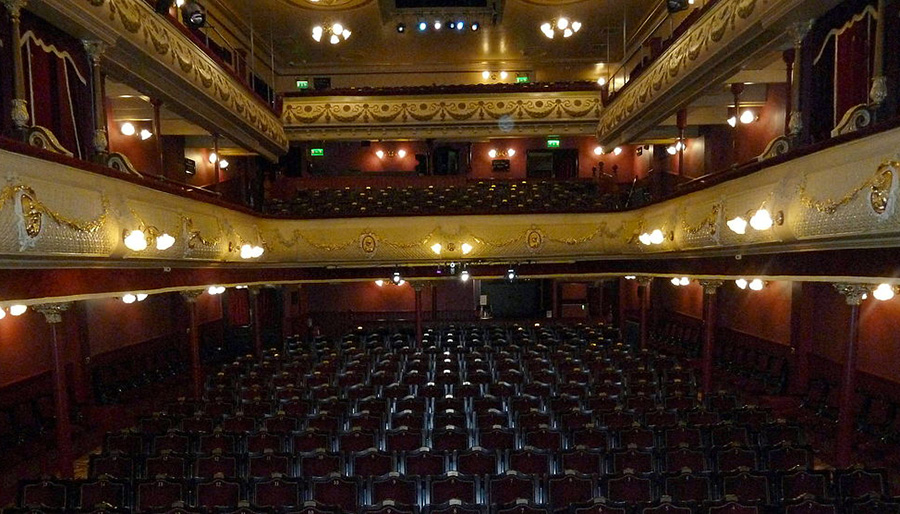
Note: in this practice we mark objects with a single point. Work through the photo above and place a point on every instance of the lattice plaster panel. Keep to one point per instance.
(71, 203)
(209, 230)
(699, 227)
(855, 217)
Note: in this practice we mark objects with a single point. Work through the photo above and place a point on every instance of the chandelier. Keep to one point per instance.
(334, 33)
(562, 26)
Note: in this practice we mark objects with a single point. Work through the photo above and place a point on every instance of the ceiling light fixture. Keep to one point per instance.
(598, 150)
(18, 310)
(396, 278)
(422, 26)
(560, 26)
(401, 28)
(756, 284)
(475, 26)
(493, 153)
(334, 33)
(511, 274)
(617, 150)
(464, 275)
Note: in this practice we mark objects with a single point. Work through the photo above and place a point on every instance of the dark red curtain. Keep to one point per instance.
(238, 302)
(57, 82)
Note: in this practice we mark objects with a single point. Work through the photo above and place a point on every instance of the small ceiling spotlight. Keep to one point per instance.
(460, 25)
(438, 24)
(475, 26)
(193, 15)
(464, 275)
(401, 28)
(396, 278)
(511, 274)
(17, 310)
(451, 25)
(423, 26)
(884, 292)
(741, 283)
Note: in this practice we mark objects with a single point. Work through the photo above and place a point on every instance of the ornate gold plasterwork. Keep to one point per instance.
(328, 5)
(689, 53)
(880, 195)
(708, 226)
(503, 113)
(880, 183)
(136, 21)
(33, 211)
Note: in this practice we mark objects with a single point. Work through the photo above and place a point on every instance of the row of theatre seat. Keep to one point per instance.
(578, 442)
(481, 197)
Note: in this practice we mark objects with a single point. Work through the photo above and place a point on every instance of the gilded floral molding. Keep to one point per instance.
(706, 51)
(138, 26)
(845, 196)
(484, 115)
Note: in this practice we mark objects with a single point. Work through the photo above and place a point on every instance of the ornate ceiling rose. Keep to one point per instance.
(328, 5)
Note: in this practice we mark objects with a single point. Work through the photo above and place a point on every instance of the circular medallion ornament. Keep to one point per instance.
(534, 239)
(368, 243)
(328, 5)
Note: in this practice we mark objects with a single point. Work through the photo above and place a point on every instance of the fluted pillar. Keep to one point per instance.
(853, 294)
(19, 108)
(190, 298)
(66, 460)
(95, 50)
(797, 32)
(710, 313)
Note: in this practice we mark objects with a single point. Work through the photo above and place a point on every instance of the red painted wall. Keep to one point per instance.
(764, 314)
(24, 347)
(685, 300)
(452, 295)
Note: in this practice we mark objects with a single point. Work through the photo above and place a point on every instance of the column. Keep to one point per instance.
(19, 108)
(190, 298)
(418, 289)
(879, 92)
(681, 121)
(95, 50)
(66, 461)
(802, 316)
(710, 304)
(789, 57)
(853, 293)
(736, 89)
(157, 134)
(797, 32)
(644, 284)
(256, 321)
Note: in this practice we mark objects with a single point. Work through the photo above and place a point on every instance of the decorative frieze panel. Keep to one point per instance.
(841, 197)
(487, 115)
(152, 53)
(709, 52)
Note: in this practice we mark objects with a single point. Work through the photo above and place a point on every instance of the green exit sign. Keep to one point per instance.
(317, 152)
(553, 143)
(302, 84)
(521, 79)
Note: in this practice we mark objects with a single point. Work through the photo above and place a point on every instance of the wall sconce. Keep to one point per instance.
(747, 117)
(674, 149)
(247, 250)
(138, 240)
(464, 248)
(630, 277)
(215, 290)
(681, 282)
(617, 151)
(761, 220)
(381, 154)
(754, 285)
(17, 310)
(884, 292)
(493, 153)
(657, 237)
(129, 129)
(598, 150)
(214, 157)
(131, 298)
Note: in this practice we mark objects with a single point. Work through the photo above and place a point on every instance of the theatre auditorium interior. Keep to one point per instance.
(450, 256)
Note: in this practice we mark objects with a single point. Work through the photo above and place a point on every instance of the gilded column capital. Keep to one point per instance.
(798, 31)
(191, 295)
(53, 311)
(95, 49)
(417, 286)
(14, 7)
(710, 287)
(853, 293)
(644, 281)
